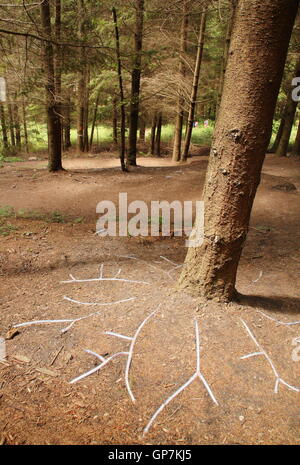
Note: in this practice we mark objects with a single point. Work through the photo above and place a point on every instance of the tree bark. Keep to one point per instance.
(158, 135)
(11, 125)
(226, 50)
(153, 134)
(115, 121)
(94, 119)
(53, 118)
(180, 101)
(17, 124)
(67, 122)
(135, 84)
(278, 135)
(58, 65)
(289, 116)
(121, 90)
(260, 40)
(3, 126)
(82, 81)
(193, 98)
(296, 148)
(25, 126)
(142, 134)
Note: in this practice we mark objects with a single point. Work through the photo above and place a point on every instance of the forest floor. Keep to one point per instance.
(55, 237)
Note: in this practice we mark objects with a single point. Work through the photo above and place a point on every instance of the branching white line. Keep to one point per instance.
(72, 321)
(40, 322)
(90, 372)
(146, 263)
(129, 356)
(264, 353)
(130, 353)
(279, 322)
(75, 280)
(169, 261)
(196, 375)
(98, 303)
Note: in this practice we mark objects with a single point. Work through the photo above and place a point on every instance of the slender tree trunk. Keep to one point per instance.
(142, 129)
(278, 135)
(53, 118)
(3, 126)
(226, 50)
(121, 89)
(58, 65)
(115, 121)
(17, 124)
(67, 121)
(94, 118)
(180, 101)
(296, 148)
(153, 134)
(82, 81)
(193, 98)
(135, 84)
(158, 135)
(25, 126)
(289, 116)
(11, 124)
(86, 113)
(240, 142)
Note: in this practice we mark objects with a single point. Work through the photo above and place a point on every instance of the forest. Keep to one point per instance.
(149, 222)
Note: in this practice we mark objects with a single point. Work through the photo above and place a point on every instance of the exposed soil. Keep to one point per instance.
(40, 406)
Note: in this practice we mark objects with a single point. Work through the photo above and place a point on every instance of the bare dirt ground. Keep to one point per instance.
(231, 402)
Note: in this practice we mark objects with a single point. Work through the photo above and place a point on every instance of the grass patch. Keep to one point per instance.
(12, 159)
(6, 229)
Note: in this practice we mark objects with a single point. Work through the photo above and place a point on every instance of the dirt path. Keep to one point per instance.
(38, 405)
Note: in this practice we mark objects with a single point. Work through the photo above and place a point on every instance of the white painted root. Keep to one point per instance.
(129, 356)
(101, 278)
(130, 353)
(72, 321)
(196, 375)
(279, 322)
(278, 380)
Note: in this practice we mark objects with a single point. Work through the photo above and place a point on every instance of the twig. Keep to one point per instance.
(279, 322)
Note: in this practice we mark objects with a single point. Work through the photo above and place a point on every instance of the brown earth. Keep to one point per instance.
(40, 406)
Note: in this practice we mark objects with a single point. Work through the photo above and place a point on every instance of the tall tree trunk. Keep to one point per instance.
(53, 118)
(296, 148)
(121, 90)
(180, 101)
(17, 124)
(158, 135)
(3, 126)
(11, 124)
(279, 134)
(115, 121)
(25, 126)
(142, 134)
(153, 134)
(193, 98)
(58, 65)
(67, 121)
(135, 83)
(82, 81)
(241, 138)
(94, 118)
(226, 50)
(289, 116)
(86, 113)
